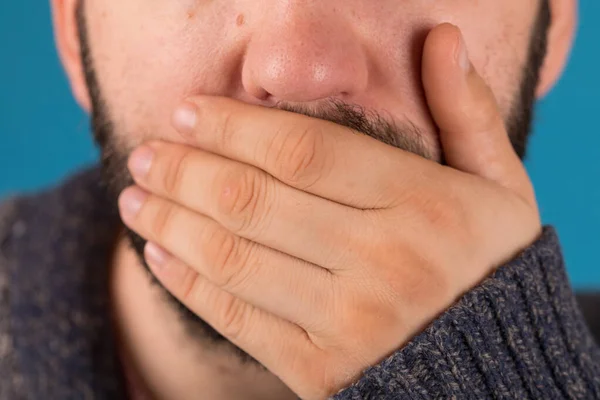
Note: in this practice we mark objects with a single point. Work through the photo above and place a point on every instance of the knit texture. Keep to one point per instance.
(56, 256)
(519, 335)
(11, 385)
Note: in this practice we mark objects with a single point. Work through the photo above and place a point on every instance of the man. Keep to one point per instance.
(299, 199)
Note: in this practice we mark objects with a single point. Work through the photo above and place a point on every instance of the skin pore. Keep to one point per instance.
(141, 59)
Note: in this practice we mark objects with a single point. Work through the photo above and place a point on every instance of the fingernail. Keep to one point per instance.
(462, 54)
(131, 202)
(141, 161)
(155, 255)
(184, 118)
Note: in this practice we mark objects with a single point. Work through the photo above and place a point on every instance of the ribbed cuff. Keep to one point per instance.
(518, 335)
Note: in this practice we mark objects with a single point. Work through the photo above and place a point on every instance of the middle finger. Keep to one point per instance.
(248, 202)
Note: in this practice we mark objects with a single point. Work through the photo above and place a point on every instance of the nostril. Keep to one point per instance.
(262, 94)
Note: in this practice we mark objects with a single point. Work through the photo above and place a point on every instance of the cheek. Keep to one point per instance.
(150, 55)
(497, 35)
(499, 47)
(147, 64)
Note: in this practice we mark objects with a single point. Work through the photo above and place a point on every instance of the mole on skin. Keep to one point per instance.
(240, 20)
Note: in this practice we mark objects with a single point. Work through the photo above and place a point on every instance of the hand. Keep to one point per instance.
(320, 251)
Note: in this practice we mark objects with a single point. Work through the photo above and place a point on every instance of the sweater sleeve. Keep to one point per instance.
(518, 335)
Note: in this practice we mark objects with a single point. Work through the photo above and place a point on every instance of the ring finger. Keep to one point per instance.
(273, 281)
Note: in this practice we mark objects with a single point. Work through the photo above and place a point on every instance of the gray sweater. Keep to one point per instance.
(519, 335)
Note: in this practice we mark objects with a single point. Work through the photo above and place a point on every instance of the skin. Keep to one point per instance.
(243, 235)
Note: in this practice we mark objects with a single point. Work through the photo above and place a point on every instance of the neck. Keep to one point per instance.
(161, 360)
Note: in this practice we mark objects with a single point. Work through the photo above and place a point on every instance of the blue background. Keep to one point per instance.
(44, 136)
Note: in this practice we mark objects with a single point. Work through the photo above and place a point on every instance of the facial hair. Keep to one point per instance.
(114, 152)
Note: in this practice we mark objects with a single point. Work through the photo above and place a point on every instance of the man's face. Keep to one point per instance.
(149, 56)
(142, 58)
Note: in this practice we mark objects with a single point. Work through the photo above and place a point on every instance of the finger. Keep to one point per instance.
(313, 155)
(283, 285)
(472, 131)
(248, 202)
(279, 345)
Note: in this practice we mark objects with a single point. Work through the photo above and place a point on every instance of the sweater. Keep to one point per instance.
(520, 334)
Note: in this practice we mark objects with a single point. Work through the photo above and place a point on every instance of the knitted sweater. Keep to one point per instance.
(519, 335)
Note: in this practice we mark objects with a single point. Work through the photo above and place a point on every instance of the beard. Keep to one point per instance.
(114, 151)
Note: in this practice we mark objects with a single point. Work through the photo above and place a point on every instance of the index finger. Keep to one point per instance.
(310, 154)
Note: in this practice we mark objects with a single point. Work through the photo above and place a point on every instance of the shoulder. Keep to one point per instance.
(7, 216)
(55, 326)
(7, 226)
(31, 237)
(9, 377)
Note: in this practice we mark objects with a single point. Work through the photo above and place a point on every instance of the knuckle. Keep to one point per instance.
(162, 222)
(174, 172)
(226, 131)
(300, 159)
(407, 274)
(449, 217)
(234, 317)
(189, 286)
(434, 208)
(242, 191)
(443, 213)
(228, 260)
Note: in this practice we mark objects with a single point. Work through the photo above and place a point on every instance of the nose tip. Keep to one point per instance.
(283, 78)
(304, 63)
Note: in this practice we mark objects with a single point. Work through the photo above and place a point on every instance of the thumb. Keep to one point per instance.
(472, 132)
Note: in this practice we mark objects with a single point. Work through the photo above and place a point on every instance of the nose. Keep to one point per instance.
(304, 55)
